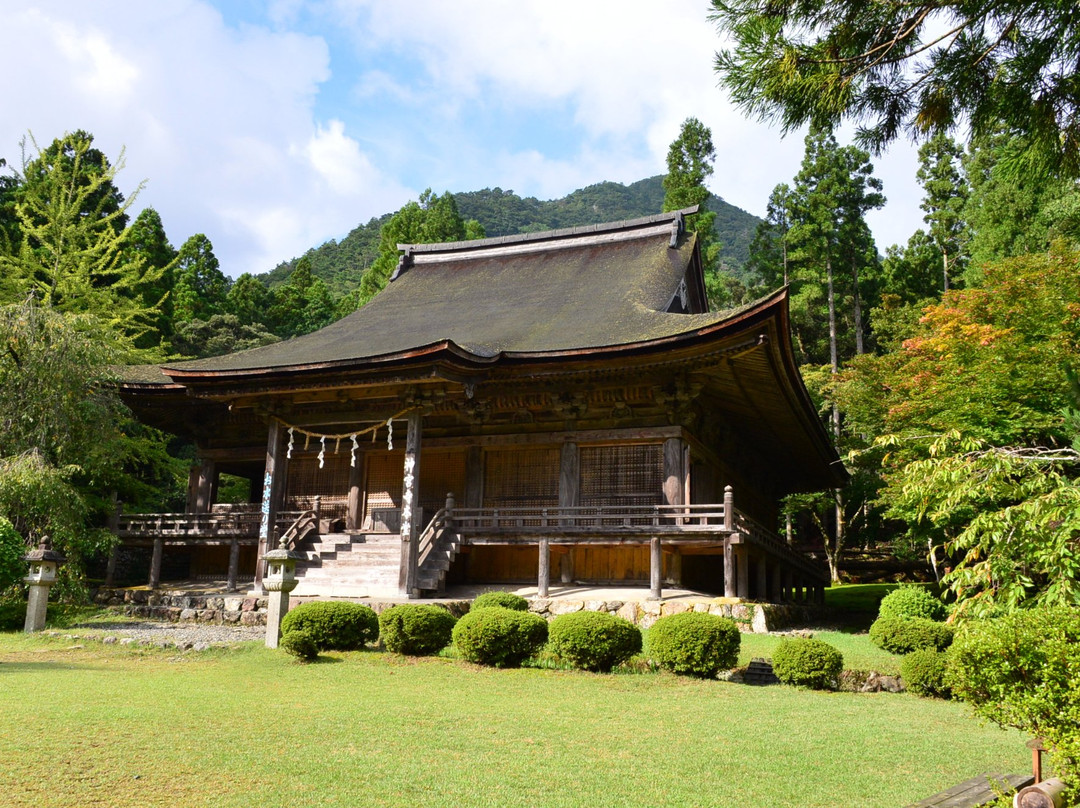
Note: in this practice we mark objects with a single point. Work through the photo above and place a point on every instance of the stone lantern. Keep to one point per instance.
(43, 563)
(280, 580)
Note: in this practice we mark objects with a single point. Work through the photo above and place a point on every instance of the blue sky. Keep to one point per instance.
(274, 126)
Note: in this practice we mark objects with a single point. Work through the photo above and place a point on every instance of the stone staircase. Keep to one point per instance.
(431, 577)
(348, 565)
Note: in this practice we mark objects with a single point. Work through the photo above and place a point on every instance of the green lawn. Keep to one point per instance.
(114, 726)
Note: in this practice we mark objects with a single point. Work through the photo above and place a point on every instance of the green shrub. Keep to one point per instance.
(416, 629)
(694, 644)
(333, 625)
(593, 641)
(499, 636)
(923, 672)
(12, 616)
(911, 601)
(902, 635)
(807, 663)
(300, 644)
(507, 600)
(1021, 671)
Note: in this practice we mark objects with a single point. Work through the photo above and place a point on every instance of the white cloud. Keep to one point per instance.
(219, 120)
(245, 134)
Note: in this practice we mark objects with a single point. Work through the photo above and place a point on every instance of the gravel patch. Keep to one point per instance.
(197, 636)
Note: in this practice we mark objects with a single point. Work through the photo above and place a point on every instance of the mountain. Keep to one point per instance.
(503, 213)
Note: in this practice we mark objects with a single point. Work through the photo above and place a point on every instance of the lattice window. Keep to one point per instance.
(440, 472)
(521, 477)
(306, 481)
(622, 475)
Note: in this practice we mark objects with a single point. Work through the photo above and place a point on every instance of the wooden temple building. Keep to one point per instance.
(551, 406)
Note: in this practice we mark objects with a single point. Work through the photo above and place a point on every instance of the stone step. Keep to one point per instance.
(760, 672)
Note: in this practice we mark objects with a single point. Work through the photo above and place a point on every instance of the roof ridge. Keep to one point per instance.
(549, 235)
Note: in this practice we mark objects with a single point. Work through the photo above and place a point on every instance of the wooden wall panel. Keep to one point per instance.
(495, 564)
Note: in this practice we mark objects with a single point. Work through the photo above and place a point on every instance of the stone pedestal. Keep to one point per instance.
(280, 580)
(43, 563)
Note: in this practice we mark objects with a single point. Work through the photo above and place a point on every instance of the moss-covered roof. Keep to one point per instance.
(571, 290)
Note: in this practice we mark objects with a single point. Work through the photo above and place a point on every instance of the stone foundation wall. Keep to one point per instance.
(179, 606)
(759, 618)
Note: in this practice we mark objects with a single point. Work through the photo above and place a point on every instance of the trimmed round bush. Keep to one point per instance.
(416, 629)
(694, 644)
(807, 663)
(593, 641)
(300, 644)
(923, 672)
(911, 601)
(333, 625)
(499, 636)
(507, 600)
(902, 635)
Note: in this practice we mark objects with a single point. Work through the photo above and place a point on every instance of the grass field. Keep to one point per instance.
(118, 726)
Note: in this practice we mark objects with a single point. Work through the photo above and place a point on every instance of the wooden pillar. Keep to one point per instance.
(569, 497)
(410, 496)
(674, 472)
(205, 486)
(234, 564)
(742, 572)
(819, 595)
(192, 489)
(762, 587)
(729, 546)
(272, 495)
(656, 563)
(155, 562)
(777, 593)
(789, 590)
(353, 517)
(544, 575)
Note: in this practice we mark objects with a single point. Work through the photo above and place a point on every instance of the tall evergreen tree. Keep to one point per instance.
(200, 287)
(430, 220)
(148, 243)
(300, 305)
(769, 250)
(689, 165)
(944, 194)
(72, 238)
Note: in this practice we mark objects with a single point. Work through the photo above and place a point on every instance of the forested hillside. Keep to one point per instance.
(341, 263)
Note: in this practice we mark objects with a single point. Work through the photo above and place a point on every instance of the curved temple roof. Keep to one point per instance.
(570, 290)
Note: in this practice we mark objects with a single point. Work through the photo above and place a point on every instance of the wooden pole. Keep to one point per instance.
(155, 562)
(544, 575)
(742, 572)
(410, 495)
(729, 547)
(656, 571)
(777, 593)
(234, 563)
(273, 493)
(762, 585)
(204, 487)
(352, 514)
(674, 473)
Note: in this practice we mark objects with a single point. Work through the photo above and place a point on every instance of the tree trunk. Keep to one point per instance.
(945, 268)
(859, 339)
(838, 545)
(834, 357)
